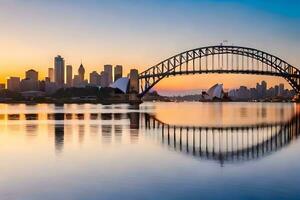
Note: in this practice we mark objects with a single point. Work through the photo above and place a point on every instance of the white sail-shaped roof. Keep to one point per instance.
(121, 84)
(216, 91)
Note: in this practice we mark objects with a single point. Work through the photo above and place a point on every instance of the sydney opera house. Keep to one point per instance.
(214, 93)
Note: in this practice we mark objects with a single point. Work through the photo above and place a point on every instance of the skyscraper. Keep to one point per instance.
(281, 89)
(69, 75)
(95, 79)
(51, 74)
(81, 72)
(108, 70)
(104, 79)
(32, 74)
(264, 88)
(13, 84)
(118, 72)
(59, 68)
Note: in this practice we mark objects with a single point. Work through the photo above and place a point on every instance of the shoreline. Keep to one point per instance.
(128, 102)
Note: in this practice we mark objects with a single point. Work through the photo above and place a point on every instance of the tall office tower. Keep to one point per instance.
(69, 75)
(95, 79)
(276, 90)
(264, 88)
(104, 79)
(51, 74)
(32, 75)
(281, 89)
(13, 84)
(108, 70)
(81, 72)
(59, 71)
(134, 81)
(118, 72)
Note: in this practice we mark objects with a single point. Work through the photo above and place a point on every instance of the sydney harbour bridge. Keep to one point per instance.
(222, 60)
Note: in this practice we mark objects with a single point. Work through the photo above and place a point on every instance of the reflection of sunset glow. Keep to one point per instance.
(218, 114)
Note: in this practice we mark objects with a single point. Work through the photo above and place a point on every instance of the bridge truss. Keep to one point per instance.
(222, 60)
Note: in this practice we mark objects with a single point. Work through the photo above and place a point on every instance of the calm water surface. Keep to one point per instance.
(156, 151)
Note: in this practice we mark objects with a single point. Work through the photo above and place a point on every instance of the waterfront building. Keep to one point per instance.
(50, 87)
(42, 85)
(281, 89)
(134, 81)
(104, 79)
(118, 72)
(81, 72)
(51, 74)
(69, 77)
(95, 79)
(260, 93)
(232, 94)
(76, 81)
(243, 93)
(13, 84)
(276, 90)
(32, 74)
(59, 71)
(215, 91)
(28, 84)
(253, 93)
(264, 88)
(108, 70)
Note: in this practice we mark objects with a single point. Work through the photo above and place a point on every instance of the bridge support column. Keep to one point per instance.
(134, 99)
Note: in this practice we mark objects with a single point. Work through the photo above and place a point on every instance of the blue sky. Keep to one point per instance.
(139, 33)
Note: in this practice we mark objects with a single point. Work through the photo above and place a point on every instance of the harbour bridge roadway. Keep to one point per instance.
(223, 60)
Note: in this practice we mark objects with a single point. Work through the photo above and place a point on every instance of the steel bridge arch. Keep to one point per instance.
(266, 64)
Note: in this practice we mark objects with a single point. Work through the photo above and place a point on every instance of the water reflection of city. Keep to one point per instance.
(223, 144)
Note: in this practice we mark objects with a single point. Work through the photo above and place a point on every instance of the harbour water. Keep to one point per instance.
(154, 151)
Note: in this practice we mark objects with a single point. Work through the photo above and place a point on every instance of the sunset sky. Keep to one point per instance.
(140, 33)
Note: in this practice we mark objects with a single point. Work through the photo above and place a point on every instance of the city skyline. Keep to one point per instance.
(62, 76)
(110, 32)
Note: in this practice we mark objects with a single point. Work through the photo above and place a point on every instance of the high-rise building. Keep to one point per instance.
(264, 88)
(59, 71)
(118, 72)
(51, 74)
(104, 79)
(76, 81)
(281, 89)
(32, 75)
(69, 75)
(276, 90)
(28, 84)
(108, 70)
(81, 72)
(134, 81)
(95, 79)
(253, 93)
(13, 84)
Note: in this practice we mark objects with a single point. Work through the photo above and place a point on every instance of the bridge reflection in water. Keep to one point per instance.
(226, 144)
(222, 144)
